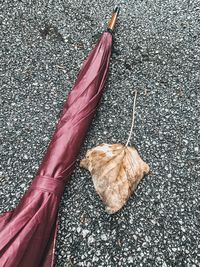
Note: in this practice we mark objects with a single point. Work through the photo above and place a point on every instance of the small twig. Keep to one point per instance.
(59, 67)
(133, 119)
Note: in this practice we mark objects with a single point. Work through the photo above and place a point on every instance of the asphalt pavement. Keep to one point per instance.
(156, 52)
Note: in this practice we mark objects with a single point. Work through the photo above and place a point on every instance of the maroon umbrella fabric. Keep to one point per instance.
(28, 233)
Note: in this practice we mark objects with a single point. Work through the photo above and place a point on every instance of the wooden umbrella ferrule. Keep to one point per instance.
(113, 20)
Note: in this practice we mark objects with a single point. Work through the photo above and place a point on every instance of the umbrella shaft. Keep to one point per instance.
(112, 22)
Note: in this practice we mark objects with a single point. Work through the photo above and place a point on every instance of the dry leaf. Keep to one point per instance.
(116, 171)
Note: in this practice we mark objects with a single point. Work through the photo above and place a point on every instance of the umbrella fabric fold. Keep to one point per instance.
(28, 233)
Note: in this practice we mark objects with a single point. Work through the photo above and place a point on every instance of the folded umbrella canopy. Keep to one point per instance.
(28, 233)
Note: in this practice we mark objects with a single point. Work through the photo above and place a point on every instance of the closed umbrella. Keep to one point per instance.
(28, 233)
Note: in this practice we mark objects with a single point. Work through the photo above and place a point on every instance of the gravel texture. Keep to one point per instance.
(157, 52)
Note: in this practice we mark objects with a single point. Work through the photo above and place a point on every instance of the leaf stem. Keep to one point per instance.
(133, 119)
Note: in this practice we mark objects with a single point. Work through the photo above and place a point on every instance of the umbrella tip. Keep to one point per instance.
(113, 20)
(116, 10)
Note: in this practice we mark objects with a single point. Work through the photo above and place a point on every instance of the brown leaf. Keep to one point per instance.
(116, 171)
